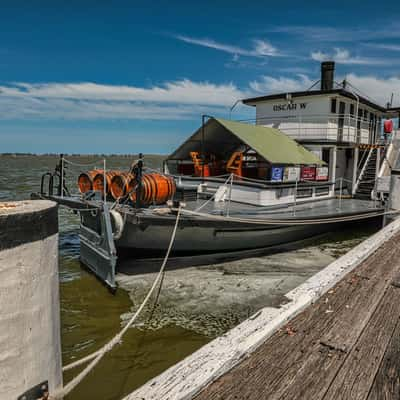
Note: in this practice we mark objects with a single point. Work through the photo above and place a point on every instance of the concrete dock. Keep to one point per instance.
(30, 342)
(338, 337)
(344, 346)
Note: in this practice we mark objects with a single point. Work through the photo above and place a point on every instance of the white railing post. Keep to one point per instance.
(295, 198)
(230, 196)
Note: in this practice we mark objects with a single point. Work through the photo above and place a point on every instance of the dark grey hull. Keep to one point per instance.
(152, 236)
(107, 236)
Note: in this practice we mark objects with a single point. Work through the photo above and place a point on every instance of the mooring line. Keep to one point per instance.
(272, 221)
(98, 355)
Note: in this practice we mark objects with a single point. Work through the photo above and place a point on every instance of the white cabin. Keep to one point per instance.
(336, 123)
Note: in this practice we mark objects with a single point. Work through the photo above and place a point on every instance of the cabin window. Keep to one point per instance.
(352, 110)
(365, 115)
(325, 154)
(333, 106)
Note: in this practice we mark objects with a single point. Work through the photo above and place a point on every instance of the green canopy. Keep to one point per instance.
(221, 137)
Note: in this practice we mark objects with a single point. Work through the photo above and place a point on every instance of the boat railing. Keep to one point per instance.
(330, 187)
(330, 127)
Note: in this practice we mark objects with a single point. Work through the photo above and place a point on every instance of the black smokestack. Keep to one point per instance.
(327, 75)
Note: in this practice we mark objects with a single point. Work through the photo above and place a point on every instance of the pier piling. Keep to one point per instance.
(30, 349)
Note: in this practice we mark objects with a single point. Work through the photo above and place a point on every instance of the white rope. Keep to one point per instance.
(82, 165)
(272, 221)
(98, 355)
(212, 197)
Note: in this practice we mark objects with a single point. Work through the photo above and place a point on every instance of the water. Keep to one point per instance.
(196, 304)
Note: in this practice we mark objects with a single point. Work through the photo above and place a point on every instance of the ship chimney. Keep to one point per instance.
(327, 74)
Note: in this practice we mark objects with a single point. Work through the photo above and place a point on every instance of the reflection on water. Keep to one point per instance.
(196, 304)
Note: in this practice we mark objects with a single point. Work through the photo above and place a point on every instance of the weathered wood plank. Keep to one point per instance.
(269, 371)
(328, 355)
(386, 385)
(357, 373)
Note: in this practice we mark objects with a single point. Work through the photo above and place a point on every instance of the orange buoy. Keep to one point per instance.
(98, 180)
(85, 180)
(156, 189)
(122, 184)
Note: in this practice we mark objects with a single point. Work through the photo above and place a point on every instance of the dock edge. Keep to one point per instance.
(187, 378)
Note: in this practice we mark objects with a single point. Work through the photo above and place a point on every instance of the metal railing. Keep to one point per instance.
(334, 127)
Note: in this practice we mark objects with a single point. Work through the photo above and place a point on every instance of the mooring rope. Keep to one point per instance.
(97, 162)
(272, 221)
(213, 196)
(98, 355)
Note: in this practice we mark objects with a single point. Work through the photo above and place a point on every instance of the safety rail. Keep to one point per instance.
(330, 127)
(364, 166)
(297, 192)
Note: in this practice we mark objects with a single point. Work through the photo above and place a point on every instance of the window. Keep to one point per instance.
(325, 154)
(365, 115)
(333, 106)
(352, 110)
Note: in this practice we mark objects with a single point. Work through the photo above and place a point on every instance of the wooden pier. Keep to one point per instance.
(344, 346)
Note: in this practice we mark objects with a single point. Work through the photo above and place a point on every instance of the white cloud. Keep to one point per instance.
(378, 89)
(344, 56)
(183, 91)
(269, 84)
(174, 100)
(340, 34)
(260, 48)
(183, 99)
(391, 47)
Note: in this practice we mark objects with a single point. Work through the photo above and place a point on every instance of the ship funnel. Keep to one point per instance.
(327, 75)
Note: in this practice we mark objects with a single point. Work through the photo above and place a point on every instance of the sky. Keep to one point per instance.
(136, 76)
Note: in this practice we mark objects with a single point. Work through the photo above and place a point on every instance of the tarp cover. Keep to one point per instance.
(222, 137)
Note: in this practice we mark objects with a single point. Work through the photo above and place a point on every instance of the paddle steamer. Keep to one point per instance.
(310, 161)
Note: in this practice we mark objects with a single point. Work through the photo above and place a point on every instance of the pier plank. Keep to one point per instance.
(356, 376)
(386, 385)
(327, 356)
(281, 367)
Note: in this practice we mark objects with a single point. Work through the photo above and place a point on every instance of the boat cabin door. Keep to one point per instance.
(342, 109)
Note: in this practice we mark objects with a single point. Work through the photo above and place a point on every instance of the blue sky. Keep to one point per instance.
(127, 76)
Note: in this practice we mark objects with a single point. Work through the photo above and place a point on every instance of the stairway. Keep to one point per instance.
(367, 181)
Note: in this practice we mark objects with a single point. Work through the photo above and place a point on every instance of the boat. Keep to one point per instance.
(310, 162)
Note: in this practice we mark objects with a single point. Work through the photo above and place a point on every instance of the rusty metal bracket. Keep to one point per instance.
(38, 392)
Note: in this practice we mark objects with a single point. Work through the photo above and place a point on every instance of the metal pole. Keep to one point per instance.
(230, 195)
(104, 180)
(295, 197)
(340, 198)
(203, 118)
(232, 107)
(62, 176)
(139, 177)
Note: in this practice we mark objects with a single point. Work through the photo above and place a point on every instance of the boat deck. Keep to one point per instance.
(326, 208)
(344, 346)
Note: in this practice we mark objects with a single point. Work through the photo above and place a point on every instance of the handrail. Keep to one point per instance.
(362, 170)
(391, 155)
(342, 127)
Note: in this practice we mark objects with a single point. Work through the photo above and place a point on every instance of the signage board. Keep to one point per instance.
(308, 173)
(291, 174)
(276, 174)
(322, 174)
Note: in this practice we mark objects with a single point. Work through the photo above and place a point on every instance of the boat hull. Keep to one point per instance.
(153, 238)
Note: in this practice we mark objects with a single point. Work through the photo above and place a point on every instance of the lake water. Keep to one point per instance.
(196, 303)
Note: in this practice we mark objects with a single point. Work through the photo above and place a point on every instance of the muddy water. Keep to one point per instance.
(196, 304)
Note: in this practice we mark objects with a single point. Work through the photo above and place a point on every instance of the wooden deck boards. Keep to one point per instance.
(345, 346)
